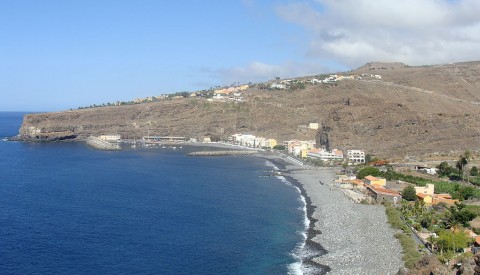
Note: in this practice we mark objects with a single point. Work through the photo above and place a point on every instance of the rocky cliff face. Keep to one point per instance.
(410, 111)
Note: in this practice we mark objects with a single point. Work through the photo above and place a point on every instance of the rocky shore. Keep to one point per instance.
(344, 237)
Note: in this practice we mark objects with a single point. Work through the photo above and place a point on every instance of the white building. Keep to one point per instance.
(110, 137)
(244, 140)
(356, 156)
(325, 155)
(278, 86)
(428, 170)
(218, 96)
(236, 98)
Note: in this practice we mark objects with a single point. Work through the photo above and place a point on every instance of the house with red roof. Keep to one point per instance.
(436, 199)
(381, 194)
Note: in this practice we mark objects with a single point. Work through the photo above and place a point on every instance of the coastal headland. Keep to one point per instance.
(406, 111)
(343, 237)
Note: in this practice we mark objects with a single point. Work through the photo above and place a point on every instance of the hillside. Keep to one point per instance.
(409, 111)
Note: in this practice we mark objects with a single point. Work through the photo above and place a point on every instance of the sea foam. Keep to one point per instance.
(297, 253)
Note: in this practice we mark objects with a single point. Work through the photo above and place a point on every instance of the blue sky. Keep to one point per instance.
(57, 55)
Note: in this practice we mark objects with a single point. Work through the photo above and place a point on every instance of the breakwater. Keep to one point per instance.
(221, 153)
(99, 144)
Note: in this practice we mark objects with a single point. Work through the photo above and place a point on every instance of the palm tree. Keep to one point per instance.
(433, 242)
(463, 162)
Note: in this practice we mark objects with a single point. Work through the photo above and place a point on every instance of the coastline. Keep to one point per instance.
(342, 237)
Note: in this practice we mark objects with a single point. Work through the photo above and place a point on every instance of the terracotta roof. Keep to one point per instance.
(378, 163)
(446, 201)
(477, 239)
(384, 191)
(371, 178)
(421, 195)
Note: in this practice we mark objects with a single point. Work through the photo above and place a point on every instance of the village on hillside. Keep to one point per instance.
(234, 92)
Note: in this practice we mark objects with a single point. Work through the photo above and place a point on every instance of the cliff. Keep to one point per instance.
(409, 111)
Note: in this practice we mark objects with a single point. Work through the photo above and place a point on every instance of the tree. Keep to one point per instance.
(458, 214)
(369, 170)
(466, 192)
(452, 241)
(463, 162)
(409, 193)
(444, 169)
(279, 147)
(474, 171)
(370, 158)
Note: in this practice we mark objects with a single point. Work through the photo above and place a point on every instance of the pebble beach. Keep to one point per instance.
(344, 237)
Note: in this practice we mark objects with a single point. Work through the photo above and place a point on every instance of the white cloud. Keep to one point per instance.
(354, 32)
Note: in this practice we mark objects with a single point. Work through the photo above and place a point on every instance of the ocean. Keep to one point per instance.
(68, 209)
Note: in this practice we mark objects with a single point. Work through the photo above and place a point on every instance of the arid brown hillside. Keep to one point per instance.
(410, 111)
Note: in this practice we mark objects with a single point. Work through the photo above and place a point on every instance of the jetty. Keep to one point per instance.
(222, 153)
(99, 144)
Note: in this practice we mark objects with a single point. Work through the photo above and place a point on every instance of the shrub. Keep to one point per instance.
(409, 193)
(279, 147)
(369, 170)
(410, 252)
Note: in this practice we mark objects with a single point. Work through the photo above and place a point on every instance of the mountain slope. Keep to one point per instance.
(409, 111)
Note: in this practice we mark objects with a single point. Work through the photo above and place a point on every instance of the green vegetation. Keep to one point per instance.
(455, 189)
(474, 171)
(409, 193)
(458, 215)
(279, 147)
(460, 171)
(297, 86)
(445, 170)
(392, 175)
(475, 209)
(369, 170)
(446, 222)
(410, 251)
(370, 158)
(451, 241)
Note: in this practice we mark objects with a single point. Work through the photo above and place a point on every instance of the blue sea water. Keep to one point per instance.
(68, 209)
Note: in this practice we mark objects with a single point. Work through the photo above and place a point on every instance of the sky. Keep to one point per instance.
(58, 55)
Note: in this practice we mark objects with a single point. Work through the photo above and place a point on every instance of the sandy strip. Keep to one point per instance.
(356, 238)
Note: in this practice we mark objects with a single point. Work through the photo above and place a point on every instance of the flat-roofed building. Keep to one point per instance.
(110, 137)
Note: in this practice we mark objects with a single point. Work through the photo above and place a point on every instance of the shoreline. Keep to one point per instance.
(342, 237)
(310, 249)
